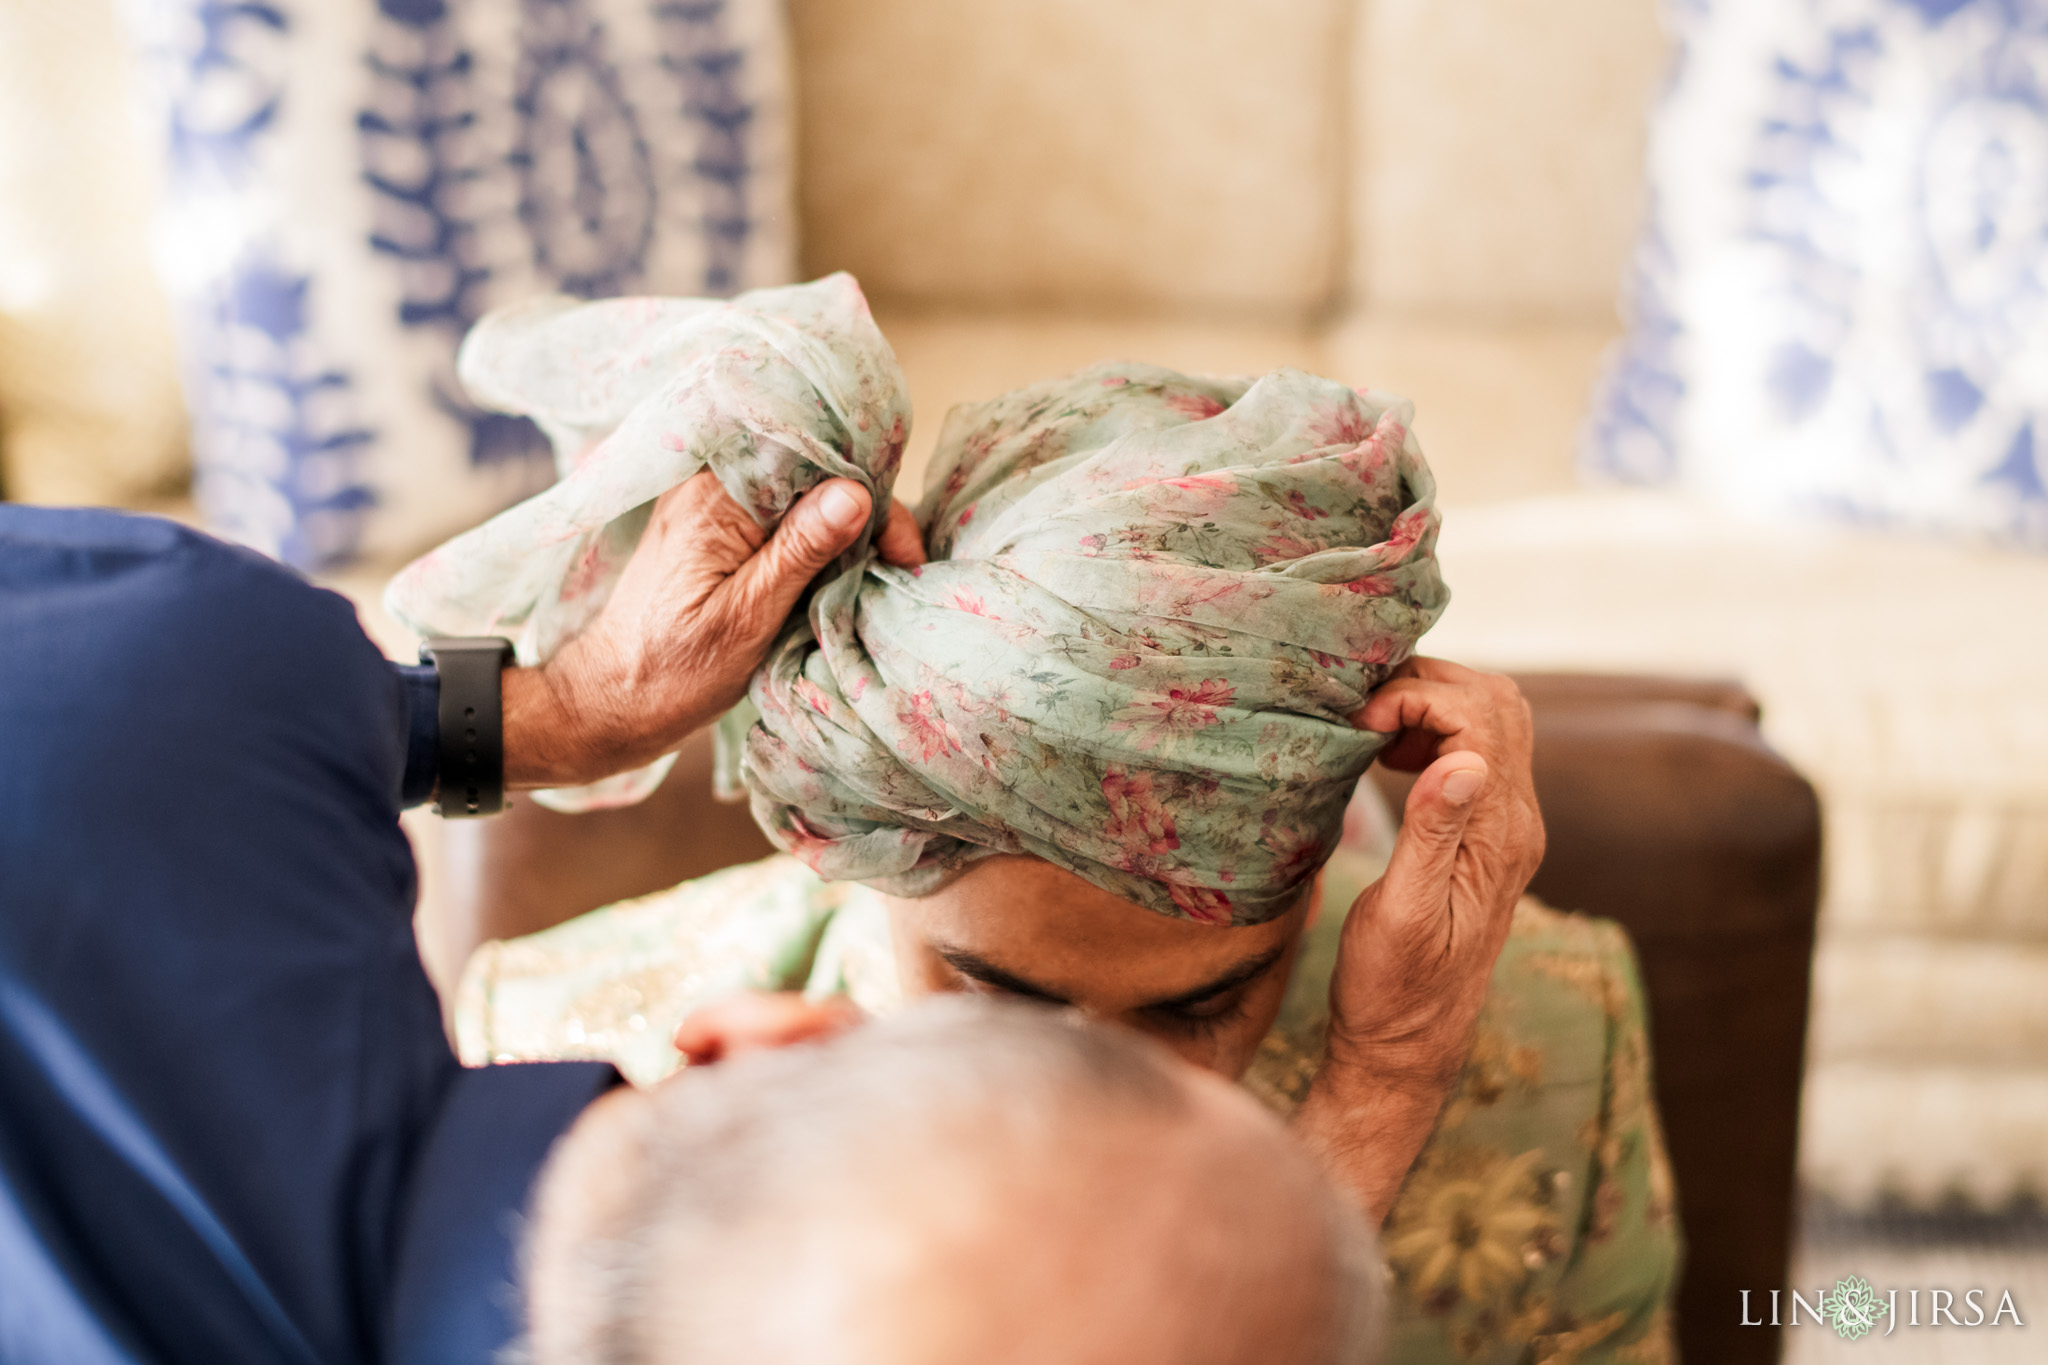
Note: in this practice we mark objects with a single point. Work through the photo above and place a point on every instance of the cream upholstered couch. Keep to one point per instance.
(1439, 200)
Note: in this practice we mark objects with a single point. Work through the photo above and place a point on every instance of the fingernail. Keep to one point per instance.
(1462, 785)
(842, 509)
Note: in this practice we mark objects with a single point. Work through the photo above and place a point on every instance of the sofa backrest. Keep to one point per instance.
(1285, 159)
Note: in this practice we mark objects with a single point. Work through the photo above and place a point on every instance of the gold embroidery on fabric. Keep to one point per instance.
(1469, 1228)
(1282, 1071)
(1567, 1347)
(1656, 1346)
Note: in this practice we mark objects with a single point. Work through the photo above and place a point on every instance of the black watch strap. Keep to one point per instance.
(471, 773)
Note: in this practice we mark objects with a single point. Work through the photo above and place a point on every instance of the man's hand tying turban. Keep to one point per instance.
(713, 437)
(1419, 947)
(689, 620)
(1153, 600)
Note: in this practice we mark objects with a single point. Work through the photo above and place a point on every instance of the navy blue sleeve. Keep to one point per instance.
(230, 1126)
(419, 689)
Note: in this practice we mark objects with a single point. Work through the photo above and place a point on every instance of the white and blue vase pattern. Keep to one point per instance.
(1840, 301)
(350, 184)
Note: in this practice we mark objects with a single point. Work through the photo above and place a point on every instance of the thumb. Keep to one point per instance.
(757, 1020)
(1432, 826)
(818, 527)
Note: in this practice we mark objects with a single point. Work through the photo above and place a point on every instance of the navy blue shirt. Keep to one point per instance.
(231, 1128)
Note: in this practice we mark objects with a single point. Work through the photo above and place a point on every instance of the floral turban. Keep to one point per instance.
(1152, 599)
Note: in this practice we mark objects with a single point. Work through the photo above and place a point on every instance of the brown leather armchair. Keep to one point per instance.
(1666, 811)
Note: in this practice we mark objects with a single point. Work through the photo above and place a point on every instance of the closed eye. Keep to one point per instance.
(1205, 1017)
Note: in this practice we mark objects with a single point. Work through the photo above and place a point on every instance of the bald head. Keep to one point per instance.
(964, 1181)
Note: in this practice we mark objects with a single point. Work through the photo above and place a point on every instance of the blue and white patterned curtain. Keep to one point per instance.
(351, 183)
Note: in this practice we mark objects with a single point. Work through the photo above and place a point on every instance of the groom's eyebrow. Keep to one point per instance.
(1243, 974)
(978, 968)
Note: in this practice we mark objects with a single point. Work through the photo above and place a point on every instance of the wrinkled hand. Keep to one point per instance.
(689, 620)
(1418, 949)
(1420, 944)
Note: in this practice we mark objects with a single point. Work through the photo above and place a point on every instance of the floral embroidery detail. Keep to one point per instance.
(1471, 1229)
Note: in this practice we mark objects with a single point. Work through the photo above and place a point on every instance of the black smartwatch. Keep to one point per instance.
(470, 776)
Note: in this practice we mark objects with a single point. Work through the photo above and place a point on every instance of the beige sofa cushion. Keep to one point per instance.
(1947, 1002)
(951, 358)
(1498, 153)
(1925, 1134)
(1147, 152)
(89, 405)
(1906, 678)
(1498, 409)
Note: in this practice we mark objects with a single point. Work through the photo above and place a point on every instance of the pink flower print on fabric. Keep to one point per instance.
(1295, 849)
(814, 851)
(1409, 529)
(1139, 821)
(1278, 549)
(1197, 495)
(1162, 722)
(1152, 598)
(1337, 423)
(773, 391)
(1202, 904)
(1372, 585)
(928, 734)
(813, 696)
(1195, 407)
(1369, 457)
(1303, 508)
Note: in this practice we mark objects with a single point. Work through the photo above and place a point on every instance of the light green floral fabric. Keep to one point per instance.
(1153, 601)
(1537, 1225)
(1153, 597)
(773, 392)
